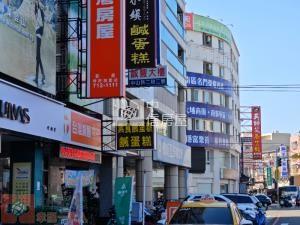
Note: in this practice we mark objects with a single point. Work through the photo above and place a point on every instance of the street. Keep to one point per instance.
(283, 216)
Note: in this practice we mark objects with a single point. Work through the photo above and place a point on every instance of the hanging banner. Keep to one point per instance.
(148, 77)
(269, 177)
(75, 215)
(256, 132)
(284, 168)
(105, 48)
(123, 200)
(71, 177)
(140, 34)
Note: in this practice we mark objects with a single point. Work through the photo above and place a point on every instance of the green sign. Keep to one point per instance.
(123, 198)
(213, 27)
(269, 177)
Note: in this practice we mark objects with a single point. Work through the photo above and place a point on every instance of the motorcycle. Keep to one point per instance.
(287, 201)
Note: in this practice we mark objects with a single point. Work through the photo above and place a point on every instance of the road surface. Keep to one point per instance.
(283, 216)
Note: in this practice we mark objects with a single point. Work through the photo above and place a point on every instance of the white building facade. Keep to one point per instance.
(212, 106)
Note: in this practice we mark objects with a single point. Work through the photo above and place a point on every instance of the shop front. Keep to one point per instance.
(44, 146)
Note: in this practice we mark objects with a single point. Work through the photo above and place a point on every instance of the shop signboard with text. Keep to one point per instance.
(208, 82)
(189, 21)
(106, 49)
(207, 111)
(82, 130)
(135, 136)
(172, 152)
(207, 139)
(30, 113)
(148, 77)
(28, 42)
(140, 34)
(68, 152)
(256, 132)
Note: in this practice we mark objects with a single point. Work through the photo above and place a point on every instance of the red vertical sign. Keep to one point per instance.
(189, 21)
(106, 44)
(256, 133)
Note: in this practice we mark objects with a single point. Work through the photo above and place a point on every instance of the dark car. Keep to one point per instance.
(265, 200)
(298, 200)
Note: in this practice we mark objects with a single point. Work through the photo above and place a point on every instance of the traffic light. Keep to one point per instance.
(278, 162)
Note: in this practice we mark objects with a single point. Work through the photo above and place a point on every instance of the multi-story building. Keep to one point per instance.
(166, 167)
(212, 106)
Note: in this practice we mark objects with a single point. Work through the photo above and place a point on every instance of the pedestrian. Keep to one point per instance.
(39, 31)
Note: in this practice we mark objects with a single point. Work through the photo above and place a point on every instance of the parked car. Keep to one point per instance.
(265, 200)
(298, 200)
(287, 201)
(204, 211)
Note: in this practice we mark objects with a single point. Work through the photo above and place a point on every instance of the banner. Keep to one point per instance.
(208, 82)
(123, 200)
(284, 168)
(256, 132)
(105, 47)
(72, 176)
(207, 139)
(75, 215)
(171, 209)
(28, 42)
(140, 34)
(206, 111)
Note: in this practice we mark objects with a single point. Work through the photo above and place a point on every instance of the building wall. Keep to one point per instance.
(220, 162)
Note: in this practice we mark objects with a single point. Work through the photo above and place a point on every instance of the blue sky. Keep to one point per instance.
(267, 33)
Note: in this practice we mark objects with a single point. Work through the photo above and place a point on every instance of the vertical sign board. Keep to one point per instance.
(123, 200)
(140, 34)
(284, 162)
(269, 177)
(106, 55)
(256, 132)
(189, 21)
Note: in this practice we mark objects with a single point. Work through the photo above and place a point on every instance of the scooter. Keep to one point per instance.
(287, 201)
(260, 217)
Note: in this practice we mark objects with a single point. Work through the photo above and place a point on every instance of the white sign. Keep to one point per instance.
(283, 151)
(172, 152)
(72, 176)
(27, 112)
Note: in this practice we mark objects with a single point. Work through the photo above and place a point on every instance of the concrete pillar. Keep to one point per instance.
(216, 172)
(182, 183)
(171, 183)
(182, 110)
(144, 169)
(120, 167)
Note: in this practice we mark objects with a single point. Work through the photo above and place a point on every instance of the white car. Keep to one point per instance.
(244, 201)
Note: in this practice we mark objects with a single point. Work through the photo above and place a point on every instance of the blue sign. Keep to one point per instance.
(157, 82)
(209, 82)
(207, 139)
(206, 111)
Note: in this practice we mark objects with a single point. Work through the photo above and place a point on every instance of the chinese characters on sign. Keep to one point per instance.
(46, 217)
(147, 77)
(200, 110)
(284, 162)
(209, 82)
(189, 21)
(207, 139)
(135, 136)
(79, 154)
(106, 55)
(256, 132)
(140, 34)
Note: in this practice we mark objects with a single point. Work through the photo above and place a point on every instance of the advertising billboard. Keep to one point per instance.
(106, 49)
(256, 132)
(28, 42)
(140, 34)
(189, 21)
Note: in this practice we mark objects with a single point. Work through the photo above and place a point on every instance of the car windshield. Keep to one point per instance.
(238, 199)
(203, 216)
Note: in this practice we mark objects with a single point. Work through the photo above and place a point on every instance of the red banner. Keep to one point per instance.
(106, 45)
(189, 21)
(256, 132)
(171, 209)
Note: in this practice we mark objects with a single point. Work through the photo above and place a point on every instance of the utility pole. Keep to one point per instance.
(277, 174)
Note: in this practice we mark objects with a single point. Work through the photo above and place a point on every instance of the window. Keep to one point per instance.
(207, 157)
(208, 97)
(221, 71)
(207, 68)
(172, 85)
(207, 40)
(202, 215)
(221, 45)
(223, 128)
(208, 125)
(197, 124)
(239, 198)
(195, 95)
(180, 53)
(222, 100)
